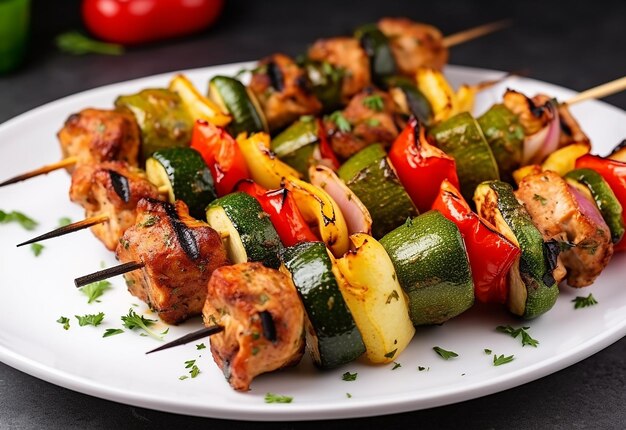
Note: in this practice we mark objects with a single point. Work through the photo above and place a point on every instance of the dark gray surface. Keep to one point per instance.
(574, 44)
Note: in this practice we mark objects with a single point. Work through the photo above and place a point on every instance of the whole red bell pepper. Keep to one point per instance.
(284, 214)
(421, 167)
(140, 21)
(222, 154)
(614, 173)
(490, 254)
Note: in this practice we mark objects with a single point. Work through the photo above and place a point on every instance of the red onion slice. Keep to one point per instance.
(543, 143)
(588, 207)
(358, 218)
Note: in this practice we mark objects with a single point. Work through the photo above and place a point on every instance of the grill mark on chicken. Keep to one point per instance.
(120, 185)
(185, 236)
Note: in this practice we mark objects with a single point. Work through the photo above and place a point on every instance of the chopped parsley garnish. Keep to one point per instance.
(373, 122)
(349, 376)
(514, 332)
(150, 221)
(65, 321)
(166, 331)
(374, 102)
(583, 302)
(391, 354)
(195, 371)
(95, 290)
(307, 118)
(422, 368)
(133, 321)
(182, 378)
(340, 121)
(277, 398)
(396, 365)
(348, 395)
(540, 199)
(90, 319)
(189, 363)
(445, 354)
(487, 351)
(112, 332)
(501, 359)
(36, 248)
(201, 346)
(18, 217)
(64, 221)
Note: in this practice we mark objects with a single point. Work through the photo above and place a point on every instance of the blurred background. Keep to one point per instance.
(576, 44)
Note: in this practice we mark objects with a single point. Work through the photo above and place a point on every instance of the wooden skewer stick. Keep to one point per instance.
(107, 273)
(66, 162)
(70, 228)
(198, 334)
(474, 33)
(600, 91)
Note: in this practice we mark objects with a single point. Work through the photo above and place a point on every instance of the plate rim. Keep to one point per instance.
(392, 403)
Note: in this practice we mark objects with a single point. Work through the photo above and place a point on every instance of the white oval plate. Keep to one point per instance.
(37, 291)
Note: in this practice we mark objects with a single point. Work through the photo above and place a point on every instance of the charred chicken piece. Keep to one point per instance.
(110, 189)
(179, 254)
(346, 54)
(283, 90)
(263, 320)
(370, 119)
(561, 211)
(95, 135)
(414, 45)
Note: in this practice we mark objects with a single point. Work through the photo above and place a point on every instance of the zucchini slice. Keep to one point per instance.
(162, 118)
(332, 335)
(233, 97)
(296, 145)
(370, 175)
(251, 235)
(505, 136)
(462, 138)
(433, 269)
(184, 174)
(370, 287)
(376, 46)
(198, 106)
(593, 184)
(533, 290)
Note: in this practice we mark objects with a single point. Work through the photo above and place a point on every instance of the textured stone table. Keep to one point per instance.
(573, 44)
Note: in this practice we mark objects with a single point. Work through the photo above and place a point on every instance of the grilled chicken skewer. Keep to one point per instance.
(109, 192)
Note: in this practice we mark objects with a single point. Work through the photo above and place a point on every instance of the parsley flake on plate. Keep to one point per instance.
(446, 355)
(501, 359)
(94, 290)
(349, 376)
(36, 248)
(90, 319)
(65, 321)
(277, 398)
(112, 332)
(583, 302)
(133, 321)
(18, 217)
(514, 332)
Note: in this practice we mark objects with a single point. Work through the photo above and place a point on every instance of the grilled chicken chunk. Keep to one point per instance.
(96, 135)
(561, 211)
(414, 45)
(371, 117)
(179, 254)
(263, 320)
(110, 189)
(283, 90)
(534, 115)
(346, 54)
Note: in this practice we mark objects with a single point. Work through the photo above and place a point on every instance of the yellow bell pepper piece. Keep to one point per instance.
(563, 160)
(318, 208)
(265, 167)
(522, 172)
(198, 106)
(368, 283)
(439, 93)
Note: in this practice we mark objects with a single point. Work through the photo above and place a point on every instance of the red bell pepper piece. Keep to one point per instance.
(222, 154)
(421, 166)
(140, 21)
(326, 152)
(490, 254)
(284, 214)
(614, 173)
